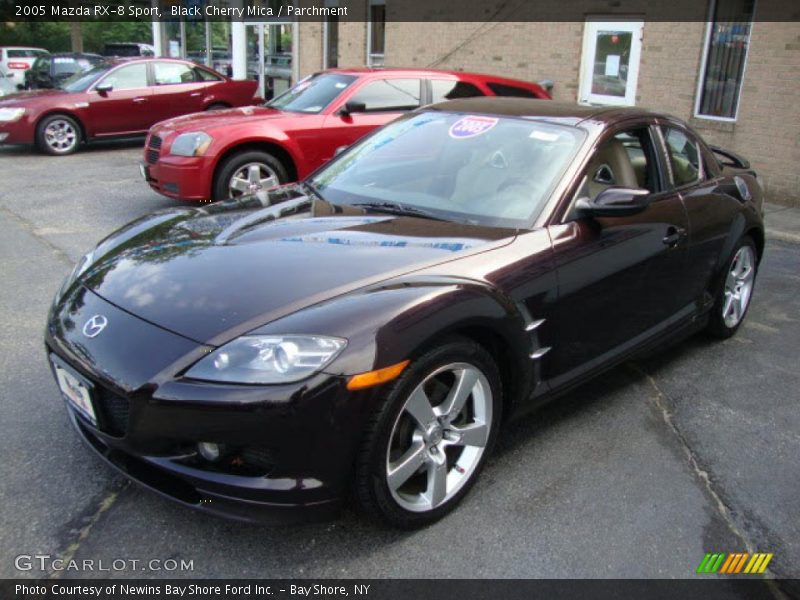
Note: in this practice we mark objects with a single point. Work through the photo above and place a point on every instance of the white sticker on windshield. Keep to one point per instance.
(471, 126)
(544, 136)
(340, 85)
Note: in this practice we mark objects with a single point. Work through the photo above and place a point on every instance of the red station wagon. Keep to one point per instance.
(224, 154)
(118, 97)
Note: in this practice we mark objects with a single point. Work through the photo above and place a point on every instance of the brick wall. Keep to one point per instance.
(767, 130)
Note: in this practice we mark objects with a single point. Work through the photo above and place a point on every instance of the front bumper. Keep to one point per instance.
(305, 435)
(16, 132)
(178, 177)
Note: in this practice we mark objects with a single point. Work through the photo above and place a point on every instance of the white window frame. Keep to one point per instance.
(712, 7)
(591, 27)
(370, 61)
(325, 33)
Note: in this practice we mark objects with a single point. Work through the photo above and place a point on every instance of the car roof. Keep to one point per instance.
(540, 109)
(423, 72)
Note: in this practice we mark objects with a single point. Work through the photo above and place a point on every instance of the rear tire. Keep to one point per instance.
(58, 135)
(426, 444)
(247, 172)
(736, 291)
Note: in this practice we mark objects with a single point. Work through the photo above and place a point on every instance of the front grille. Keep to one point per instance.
(153, 149)
(114, 410)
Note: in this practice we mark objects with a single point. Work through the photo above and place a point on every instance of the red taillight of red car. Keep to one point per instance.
(18, 65)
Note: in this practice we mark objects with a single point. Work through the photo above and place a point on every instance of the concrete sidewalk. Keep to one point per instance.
(782, 222)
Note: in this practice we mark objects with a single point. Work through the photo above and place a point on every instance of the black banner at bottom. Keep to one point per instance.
(397, 589)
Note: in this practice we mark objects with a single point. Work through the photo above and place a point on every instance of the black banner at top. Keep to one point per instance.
(396, 10)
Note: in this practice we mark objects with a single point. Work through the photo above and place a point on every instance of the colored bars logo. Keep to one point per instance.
(732, 564)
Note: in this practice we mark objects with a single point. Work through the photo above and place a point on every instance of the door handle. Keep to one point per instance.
(195, 94)
(139, 100)
(674, 236)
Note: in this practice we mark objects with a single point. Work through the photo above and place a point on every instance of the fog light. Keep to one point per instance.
(209, 451)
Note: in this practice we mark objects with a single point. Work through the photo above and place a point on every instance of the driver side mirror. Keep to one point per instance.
(352, 107)
(104, 88)
(614, 202)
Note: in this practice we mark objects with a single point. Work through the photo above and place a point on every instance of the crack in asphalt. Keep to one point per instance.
(102, 507)
(30, 228)
(659, 401)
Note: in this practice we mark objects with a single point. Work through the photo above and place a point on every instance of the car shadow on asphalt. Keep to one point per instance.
(94, 146)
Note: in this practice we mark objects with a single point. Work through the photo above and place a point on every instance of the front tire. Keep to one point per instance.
(736, 291)
(248, 172)
(58, 135)
(429, 440)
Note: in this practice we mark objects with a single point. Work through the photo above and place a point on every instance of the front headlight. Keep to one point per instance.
(268, 359)
(8, 115)
(191, 144)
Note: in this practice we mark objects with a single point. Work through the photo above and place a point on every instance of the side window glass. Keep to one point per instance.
(684, 159)
(442, 89)
(625, 160)
(203, 75)
(389, 95)
(172, 73)
(501, 89)
(128, 78)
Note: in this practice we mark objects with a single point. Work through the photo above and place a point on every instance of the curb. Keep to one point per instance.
(783, 236)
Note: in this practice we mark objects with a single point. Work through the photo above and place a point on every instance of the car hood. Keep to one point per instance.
(32, 97)
(213, 273)
(222, 118)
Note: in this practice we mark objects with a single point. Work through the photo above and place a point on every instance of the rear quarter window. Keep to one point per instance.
(501, 89)
(443, 89)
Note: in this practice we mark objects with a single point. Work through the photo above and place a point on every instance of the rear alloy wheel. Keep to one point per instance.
(247, 173)
(431, 437)
(58, 135)
(737, 290)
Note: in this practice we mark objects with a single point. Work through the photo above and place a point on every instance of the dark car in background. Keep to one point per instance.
(128, 49)
(48, 72)
(367, 331)
(117, 97)
(230, 153)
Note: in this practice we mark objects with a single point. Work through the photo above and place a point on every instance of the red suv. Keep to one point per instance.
(222, 154)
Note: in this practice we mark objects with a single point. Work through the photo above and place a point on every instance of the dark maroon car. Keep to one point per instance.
(117, 97)
(371, 328)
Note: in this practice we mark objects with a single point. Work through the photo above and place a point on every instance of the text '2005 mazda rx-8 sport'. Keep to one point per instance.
(365, 333)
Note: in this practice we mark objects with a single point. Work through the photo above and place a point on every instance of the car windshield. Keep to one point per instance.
(480, 169)
(313, 94)
(80, 82)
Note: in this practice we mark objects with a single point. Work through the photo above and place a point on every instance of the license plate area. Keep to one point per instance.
(76, 390)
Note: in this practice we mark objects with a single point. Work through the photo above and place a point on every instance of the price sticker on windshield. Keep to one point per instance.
(468, 127)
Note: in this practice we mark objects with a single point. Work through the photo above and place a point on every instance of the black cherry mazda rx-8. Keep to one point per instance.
(366, 332)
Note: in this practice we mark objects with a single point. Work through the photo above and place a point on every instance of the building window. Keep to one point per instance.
(376, 33)
(330, 38)
(724, 58)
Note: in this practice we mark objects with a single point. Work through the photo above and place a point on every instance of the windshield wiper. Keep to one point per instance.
(313, 189)
(395, 208)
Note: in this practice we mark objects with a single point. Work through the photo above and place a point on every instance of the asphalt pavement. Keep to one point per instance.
(637, 474)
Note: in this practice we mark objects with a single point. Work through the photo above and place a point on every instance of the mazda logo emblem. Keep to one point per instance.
(94, 326)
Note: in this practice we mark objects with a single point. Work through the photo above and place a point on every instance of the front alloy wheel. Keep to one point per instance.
(58, 135)
(439, 437)
(251, 178)
(432, 435)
